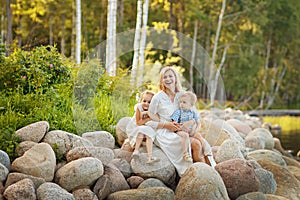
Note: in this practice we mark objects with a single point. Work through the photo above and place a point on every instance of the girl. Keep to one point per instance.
(137, 130)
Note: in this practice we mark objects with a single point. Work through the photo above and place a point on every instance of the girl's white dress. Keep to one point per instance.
(169, 141)
(132, 129)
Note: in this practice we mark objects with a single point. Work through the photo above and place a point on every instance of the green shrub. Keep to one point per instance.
(33, 71)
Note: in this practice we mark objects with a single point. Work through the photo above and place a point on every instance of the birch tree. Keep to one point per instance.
(111, 65)
(143, 43)
(78, 32)
(137, 38)
(213, 77)
(193, 54)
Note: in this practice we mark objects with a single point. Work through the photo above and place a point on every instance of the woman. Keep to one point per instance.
(164, 103)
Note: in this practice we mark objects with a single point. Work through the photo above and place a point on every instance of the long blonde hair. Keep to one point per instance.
(177, 81)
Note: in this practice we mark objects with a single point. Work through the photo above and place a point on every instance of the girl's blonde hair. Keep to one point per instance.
(177, 81)
(147, 92)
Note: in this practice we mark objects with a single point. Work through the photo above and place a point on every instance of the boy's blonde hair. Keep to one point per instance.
(191, 96)
(147, 92)
(177, 81)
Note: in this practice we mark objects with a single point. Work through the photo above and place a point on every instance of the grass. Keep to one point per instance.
(287, 123)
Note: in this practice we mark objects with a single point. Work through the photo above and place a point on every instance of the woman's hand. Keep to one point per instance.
(172, 126)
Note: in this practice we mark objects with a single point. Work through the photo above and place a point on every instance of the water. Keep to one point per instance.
(290, 140)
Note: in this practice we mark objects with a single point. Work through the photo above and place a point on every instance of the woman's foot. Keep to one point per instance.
(152, 160)
(187, 157)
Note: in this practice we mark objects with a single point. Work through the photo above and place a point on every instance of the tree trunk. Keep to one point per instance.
(9, 38)
(111, 38)
(2, 23)
(78, 32)
(262, 97)
(193, 54)
(63, 41)
(51, 29)
(212, 75)
(143, 43)
(137, 38)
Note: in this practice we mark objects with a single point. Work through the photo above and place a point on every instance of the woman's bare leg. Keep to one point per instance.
(197, 150)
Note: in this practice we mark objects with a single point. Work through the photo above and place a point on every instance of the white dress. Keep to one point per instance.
(169, 141)
(132, 129)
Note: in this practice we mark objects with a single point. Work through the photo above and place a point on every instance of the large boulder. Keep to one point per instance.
(63, 141)
(33, 132)
(39, 161)
(121, 129)
(264, 154)
(163, 170)
(81, 172)
(265, 135)
(100, 139)
(200, 181)
(239, 177)
(287, 184)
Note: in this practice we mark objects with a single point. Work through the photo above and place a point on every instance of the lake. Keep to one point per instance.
(290, 140)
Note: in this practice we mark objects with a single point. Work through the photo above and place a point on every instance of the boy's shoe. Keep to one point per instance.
(187, 157)
(152, 160)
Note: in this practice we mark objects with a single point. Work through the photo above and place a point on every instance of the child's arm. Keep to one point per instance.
(139, 117)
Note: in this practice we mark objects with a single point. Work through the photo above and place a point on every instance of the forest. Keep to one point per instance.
(253, 44)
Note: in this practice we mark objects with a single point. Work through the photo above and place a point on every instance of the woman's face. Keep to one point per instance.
(169, 80)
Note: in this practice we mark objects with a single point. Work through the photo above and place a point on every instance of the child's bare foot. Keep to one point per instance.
(135, 154)
(187, 157)
(152, 160)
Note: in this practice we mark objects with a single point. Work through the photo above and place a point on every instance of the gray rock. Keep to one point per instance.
(265, 135)
(23, 189)
(84, 194)
(3, 172)
(252, 195)
(264, 154)
(63, 141)
(152, 193)
(104, 154)
(81, 172)
(121, 129)
(229, 149)
(255, 142)
(123, 166)
(100, 139)
(4, 159)
(267, 181)
(33, 132)
(39, 161)
(53, 191)
(163, 170)
(200, 181)
(24, 146)
(151, 182)
(134, 181)
(112, 181)
(15, 177)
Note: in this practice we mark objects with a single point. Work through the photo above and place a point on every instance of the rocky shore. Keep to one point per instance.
(251, 164)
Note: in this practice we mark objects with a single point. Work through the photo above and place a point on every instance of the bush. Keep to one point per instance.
(33, 71)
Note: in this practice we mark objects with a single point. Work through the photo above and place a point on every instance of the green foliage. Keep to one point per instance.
(33, 71)
(287, 123)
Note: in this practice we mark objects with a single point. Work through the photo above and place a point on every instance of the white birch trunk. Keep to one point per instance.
(193, 54)
(272, 97)
(78, 32)
(262, 97)
(2, 25)
(136, 43)
(212, 75)
(143, 43)
(111, 38)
